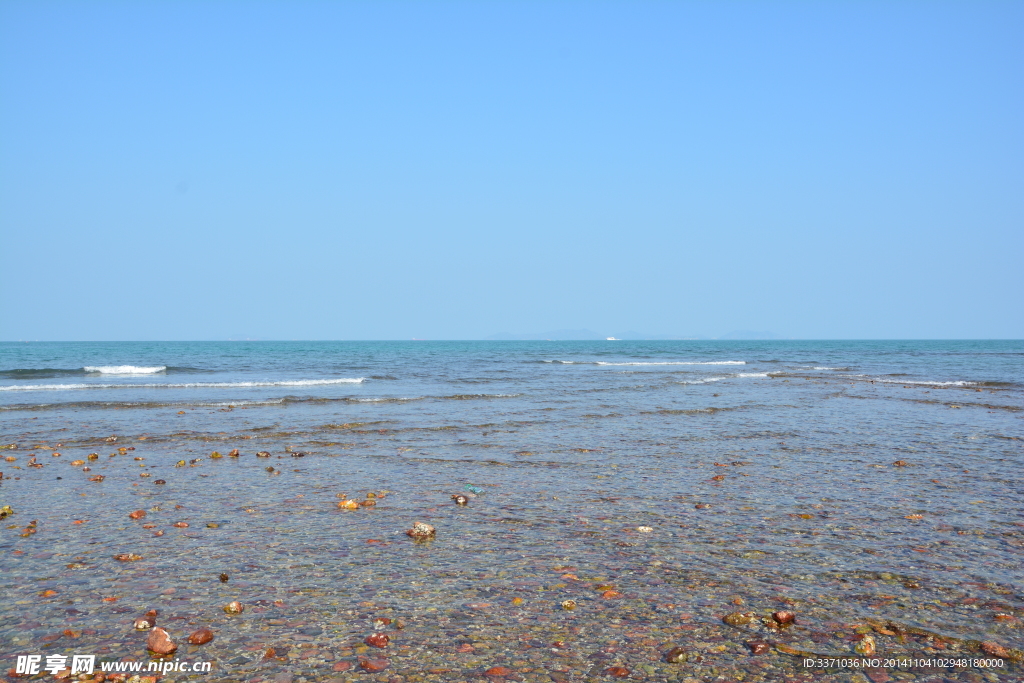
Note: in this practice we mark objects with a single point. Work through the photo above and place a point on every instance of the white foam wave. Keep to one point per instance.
(960, 383)
(124, 369)
(752, 374)
(824, 368)
(706, 380)
(189, 385)
(884, 380)
(708, 362)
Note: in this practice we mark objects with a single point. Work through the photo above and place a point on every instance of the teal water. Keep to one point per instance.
(573, 444)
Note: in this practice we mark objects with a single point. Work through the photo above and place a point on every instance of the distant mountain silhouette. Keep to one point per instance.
(587, 335)
(555, 335)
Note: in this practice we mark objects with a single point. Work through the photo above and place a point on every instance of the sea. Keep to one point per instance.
(624, 501)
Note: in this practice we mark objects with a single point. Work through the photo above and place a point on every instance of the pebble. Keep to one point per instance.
(159, 642)
(201, 637)
(377, 640)
(234, 607)
(421, 530)
(374, 665)
(499, 671)
(783, 617)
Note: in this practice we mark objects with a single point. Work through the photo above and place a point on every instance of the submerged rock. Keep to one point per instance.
(865, 646)
(374, 665)
(677, 655)
(738, 618)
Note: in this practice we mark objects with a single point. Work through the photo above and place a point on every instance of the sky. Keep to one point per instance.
(454, 170)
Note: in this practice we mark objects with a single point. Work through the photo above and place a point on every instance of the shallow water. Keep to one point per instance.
(788, 447)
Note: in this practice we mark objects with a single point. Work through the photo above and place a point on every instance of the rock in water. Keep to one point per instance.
(783, 617)
(201, 637)
(421, 530)
(377, 640)
(159, 642)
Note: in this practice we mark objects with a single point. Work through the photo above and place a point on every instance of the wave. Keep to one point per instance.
(286, 400)
(706, 362)
(706, 380)
(124, 369)
(936, 383)
(91, 370)
(689, 362)
(183, 385)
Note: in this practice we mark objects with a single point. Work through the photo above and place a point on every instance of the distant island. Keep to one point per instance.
(587, 335)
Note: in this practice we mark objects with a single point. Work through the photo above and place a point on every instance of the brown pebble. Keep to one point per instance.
(738, 618)
(234, 607)
(421, 530)
(160, 642)
(373, 665)
(341, 666)
(759, 647)
(377, 640)
(702, 506)
(180, 525)
(995, 649)
(138, 514)
(159, 481)
(201, 637)
(223, 578)
(900, 463)
(498, 671)
(676, 655)
(234, 453)
(127, 557)
(617, 672)
(783, 617)
(865, 646)
(142, 624)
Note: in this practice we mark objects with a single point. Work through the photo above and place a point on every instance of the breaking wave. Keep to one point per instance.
(124, 369)
(92, 370)
(695, 362)
(182, 385)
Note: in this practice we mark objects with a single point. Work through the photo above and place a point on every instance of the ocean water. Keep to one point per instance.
(764, 471)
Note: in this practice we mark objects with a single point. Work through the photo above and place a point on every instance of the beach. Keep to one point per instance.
(663, 511)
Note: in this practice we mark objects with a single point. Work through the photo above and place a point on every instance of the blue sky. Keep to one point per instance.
(451, 170)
